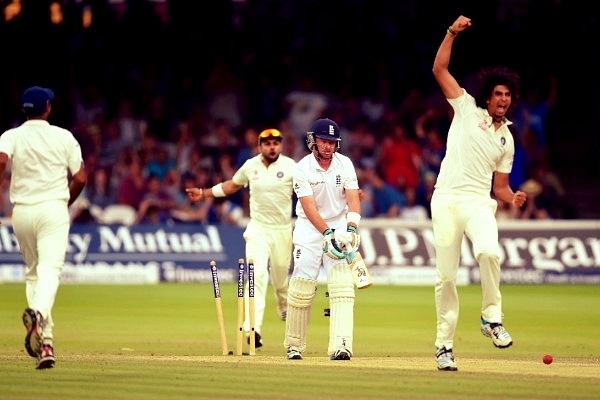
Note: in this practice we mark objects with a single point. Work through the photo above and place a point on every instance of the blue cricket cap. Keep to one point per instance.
(35, 98)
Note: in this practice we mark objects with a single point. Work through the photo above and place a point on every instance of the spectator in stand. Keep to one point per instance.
(185, 144)
(537, 102)
(536, 206)
(120, 169)
(518, 174)
(361, 135)
(225, 212)
(90, 106)
(200, 162)
(110, 144)
(98, 192)
(553, 192)
(220, 139)
(172, 183)
(186, 210)
(304, 104)
(293, 147)
(400, 158)
(249, 148)
(432, 146)
(412, 106)
(226, 169)
(388, 201)
(156, 203)
(374, 105)
(158, 122)
(132, 186)
(223, 88)
(530, 130)
(160, 162)
(412, 210)
(129, 125)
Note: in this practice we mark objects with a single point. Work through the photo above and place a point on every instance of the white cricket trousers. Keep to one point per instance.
(270, 247)
(42, 231)
(454, 216)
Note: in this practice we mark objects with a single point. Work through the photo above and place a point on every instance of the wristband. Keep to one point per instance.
(353, 218)
(217, 190)
(451, 32)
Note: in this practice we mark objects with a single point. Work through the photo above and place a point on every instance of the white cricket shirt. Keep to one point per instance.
(327, 187)
(270, 189)
(41, 156)
(474, 149)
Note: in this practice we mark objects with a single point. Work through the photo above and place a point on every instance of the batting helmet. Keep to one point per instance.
(323, 128)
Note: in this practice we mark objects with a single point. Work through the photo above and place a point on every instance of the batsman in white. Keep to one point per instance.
(268, 235)
(47, 175)
(478, 160)
(326, 185)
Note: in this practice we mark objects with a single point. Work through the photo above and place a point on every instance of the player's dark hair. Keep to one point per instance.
(491, 77)
(31, 113)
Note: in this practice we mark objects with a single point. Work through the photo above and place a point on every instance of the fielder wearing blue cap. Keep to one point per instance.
(35, 100)
(47, 174)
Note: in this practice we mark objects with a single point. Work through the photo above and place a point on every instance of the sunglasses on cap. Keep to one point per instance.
(270, 133)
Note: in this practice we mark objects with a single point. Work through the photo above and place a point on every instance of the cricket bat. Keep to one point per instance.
(360, 273)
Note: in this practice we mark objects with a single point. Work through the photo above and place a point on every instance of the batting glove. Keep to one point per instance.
(349, 241)
(330, 246)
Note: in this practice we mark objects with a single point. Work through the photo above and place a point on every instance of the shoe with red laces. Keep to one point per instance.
(33, 322)
(46, 358)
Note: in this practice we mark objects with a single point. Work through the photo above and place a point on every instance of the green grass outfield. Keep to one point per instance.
(161, 342)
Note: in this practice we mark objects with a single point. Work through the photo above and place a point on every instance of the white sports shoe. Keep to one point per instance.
(293, 354)
(445, 359)
(500, 336)
(341, 354)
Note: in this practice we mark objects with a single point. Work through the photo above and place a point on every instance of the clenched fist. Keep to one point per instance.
(461, 24)
(519, 198)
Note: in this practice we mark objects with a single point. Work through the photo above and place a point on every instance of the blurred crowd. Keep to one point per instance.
(150, 128)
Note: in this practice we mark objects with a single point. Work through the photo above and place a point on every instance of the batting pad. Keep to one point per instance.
(340, 285)
(301, 293)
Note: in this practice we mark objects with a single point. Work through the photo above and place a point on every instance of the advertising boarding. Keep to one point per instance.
(397, 252)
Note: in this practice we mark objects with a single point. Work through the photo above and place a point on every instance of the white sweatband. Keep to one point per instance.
(353, 217)
(217, 190)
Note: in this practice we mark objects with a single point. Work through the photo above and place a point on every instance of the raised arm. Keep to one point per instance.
(447, 82)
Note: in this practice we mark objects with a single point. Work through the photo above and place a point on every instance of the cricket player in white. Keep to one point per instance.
(480, 151)
(47, 175)
(326, 185)
(268, 235)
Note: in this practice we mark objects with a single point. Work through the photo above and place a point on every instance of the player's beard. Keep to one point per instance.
(323, 156)
(271, 157)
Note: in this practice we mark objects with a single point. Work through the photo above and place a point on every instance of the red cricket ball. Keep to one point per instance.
(547, 359)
